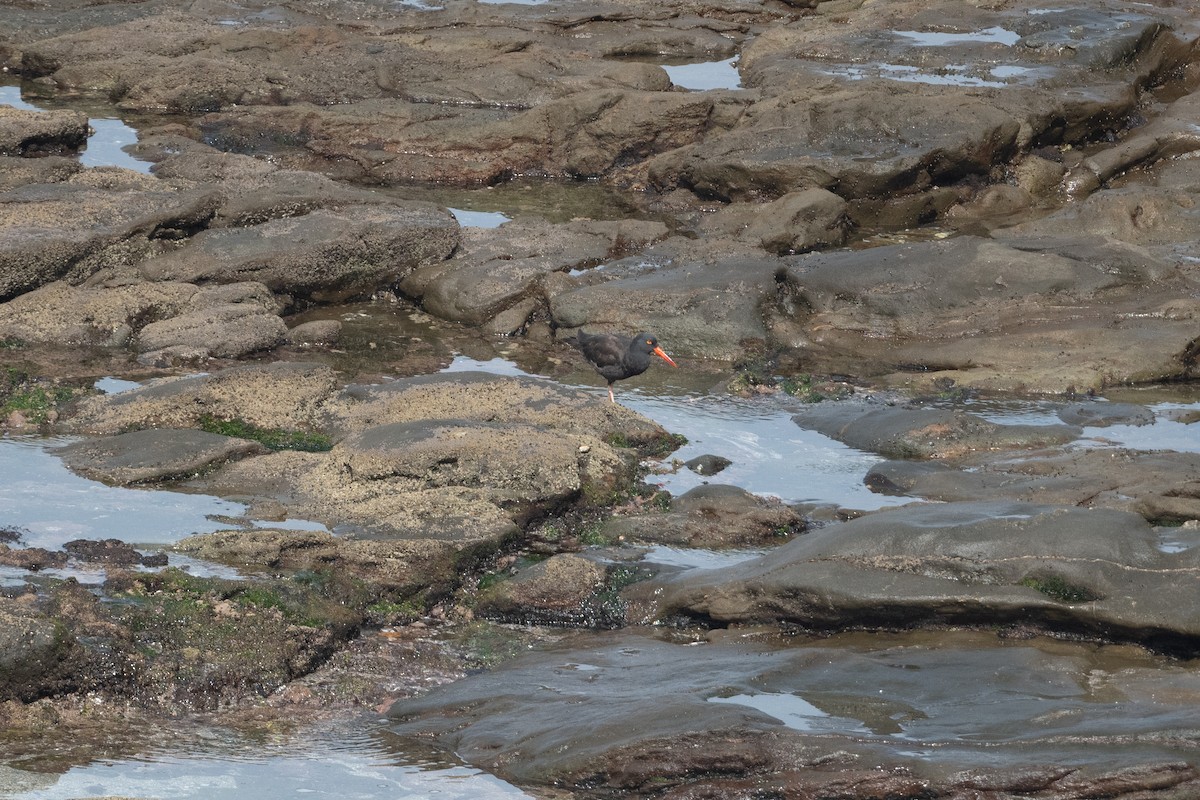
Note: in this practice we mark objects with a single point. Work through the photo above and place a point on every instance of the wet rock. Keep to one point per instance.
(705, 302)
(154, 454)
(587, 134)
(32, 559)
(1153, 218)
(1041, 177)
(1119, 479)
(287, 395)
(1005, 315)
(497, 268)
(317, 332)
(814, 219)
(1105, 414)
(37, 656)
(37, 133)
(112, 551)
(555, 591)
(513, 319)
(1160, 486)
(729, 725)
(899, 432)
(713, 516)
(707, 464)
(327, 254)
(96, 220)
(1094, 573)
(841, 139)
(253, 190)
(833, 118)
(1169, 134)
(1185, 416)
(406, 567)
(943, 483)
(222, 331)
(254, 64)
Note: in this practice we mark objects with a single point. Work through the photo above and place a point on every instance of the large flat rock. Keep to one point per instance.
(1090, 572)
(741, 716)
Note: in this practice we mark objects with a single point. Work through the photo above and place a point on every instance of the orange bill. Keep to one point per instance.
(658, 351)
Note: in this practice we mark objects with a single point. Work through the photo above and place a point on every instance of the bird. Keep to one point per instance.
(618, 357)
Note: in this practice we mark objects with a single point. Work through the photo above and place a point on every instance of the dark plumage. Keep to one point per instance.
(618, 357)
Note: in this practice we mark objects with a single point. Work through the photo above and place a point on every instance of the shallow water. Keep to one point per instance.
(1169, 431)
(104, 147)
(1163, 434)
(479, 219)
(706, 75)
(348, 760)
(951, 75)
(53, 505)
(697, 557)
(993, 35)
(931, 695)
(770, 454)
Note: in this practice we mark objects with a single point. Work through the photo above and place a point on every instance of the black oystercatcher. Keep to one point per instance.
(618, 357)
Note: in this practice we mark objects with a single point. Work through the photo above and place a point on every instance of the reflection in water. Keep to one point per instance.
(705, 76)
(699, 558)
(793, 710)
(343, 760)
(1175, 426)
(104, 146)
(993, 35)
(11, 96)
(1165, 433)
(1003, 411)
(479, 219)
(112, 385)
(53, 505)
(771, 455)
(905, 73)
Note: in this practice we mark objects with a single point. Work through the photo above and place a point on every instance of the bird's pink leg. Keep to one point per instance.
(610, 394)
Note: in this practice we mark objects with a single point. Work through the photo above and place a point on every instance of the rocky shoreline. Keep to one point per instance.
(901, 209)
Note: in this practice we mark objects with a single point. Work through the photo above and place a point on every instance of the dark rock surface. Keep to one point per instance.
(1092, 571)
(154, 454)
(713, 516)
(585, 720)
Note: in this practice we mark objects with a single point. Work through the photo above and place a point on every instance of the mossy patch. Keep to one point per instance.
(272, 438)
(656, 448)
(202, 643)
(756, 375)
(606, 608)
(35, 398)
(1058, 588)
